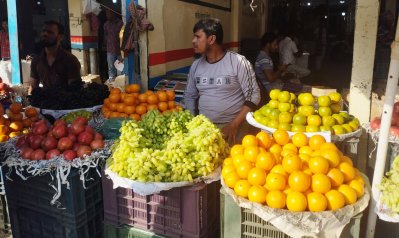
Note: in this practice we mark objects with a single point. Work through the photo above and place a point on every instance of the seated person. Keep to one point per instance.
(54, 67)
(264, 67)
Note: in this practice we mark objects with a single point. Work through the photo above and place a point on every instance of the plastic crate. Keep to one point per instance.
(111, 231)
(236, 220)
(78, 214)
(5, 226)
(191, 211)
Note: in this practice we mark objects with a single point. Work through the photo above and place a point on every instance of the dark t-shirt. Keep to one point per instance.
(64, 72)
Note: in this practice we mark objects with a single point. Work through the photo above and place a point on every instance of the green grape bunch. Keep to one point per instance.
(68, 118)
(389, 187)
(169, 147)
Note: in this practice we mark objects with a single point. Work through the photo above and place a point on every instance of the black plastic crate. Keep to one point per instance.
(78, 212)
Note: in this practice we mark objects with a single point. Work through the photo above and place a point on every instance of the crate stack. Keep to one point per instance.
(185, 212)
(5, 226)
(78, 212)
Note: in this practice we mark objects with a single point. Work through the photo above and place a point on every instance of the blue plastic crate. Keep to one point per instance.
(78, 214)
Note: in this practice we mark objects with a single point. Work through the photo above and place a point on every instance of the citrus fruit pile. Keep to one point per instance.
(298, 174)
(132, 104)
(16, 121)
(281, 113)
(168, 147)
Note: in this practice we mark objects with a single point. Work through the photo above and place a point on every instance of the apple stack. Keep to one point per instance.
(282, 113)
(375, 124)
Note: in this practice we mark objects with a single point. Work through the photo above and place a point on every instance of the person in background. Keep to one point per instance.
(264, 66)
(54, 67)
(4, 41)
(112, 28)
(221, 84)
(288, 52)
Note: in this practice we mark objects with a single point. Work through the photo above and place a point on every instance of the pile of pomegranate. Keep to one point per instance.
(375, 124)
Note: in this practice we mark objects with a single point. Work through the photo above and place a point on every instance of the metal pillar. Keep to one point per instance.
(14, 42)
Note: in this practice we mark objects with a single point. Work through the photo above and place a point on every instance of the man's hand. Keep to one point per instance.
(230, 131)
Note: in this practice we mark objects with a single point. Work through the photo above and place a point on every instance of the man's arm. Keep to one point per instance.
(73, 77)
(247, 79)
(34, 83)
(191, 92)
(34, 76)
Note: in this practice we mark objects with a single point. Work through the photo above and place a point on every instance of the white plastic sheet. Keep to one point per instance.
(91, 6)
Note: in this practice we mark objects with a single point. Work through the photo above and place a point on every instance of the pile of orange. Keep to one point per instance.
(132, 104)
(298, 174)
(15, 124)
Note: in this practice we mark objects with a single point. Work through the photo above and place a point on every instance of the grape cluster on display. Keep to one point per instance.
(168, 147)
(389, 187)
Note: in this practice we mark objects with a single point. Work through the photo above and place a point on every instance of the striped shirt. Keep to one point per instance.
(219, 90)
(263, 62)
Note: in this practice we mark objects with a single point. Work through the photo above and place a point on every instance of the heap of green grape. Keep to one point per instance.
(389, 187)
(168, 148)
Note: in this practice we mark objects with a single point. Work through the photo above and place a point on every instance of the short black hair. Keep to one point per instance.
(4, 20)
(55, 23)
(268, 37)
(210, 26)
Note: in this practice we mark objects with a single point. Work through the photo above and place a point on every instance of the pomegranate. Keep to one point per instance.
(40, 129)
(83, 150)
(97, 144)
(80, 120)
(60, 131)
(69, 155)
(49, 143)
(98, 136)
(72, 137)
(65, 143)
(77, 128)
(75, 146)
(375, 123)
(26, 153)
(22, 141)
(90, 130)
(38, 154)
(36, 142)
(85, 138)
(59, 122)
(52, 153)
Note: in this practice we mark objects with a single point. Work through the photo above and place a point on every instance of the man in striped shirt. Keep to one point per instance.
(221, 84)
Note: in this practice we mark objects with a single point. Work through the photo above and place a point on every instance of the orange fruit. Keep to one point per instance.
(257, 176)
(335, 200)
(317, 202)
(30, 112)
(27, 122)
(4, 130)
(123, 95)
(264, 139)
(231, 179)
(328, 145)
(358, 187)
(113, 107)
(321, 183)
(349, 194)
(347, 170)
(143, 98)
(332, 156)
(299, 181)
(299, 140)
(106, 102)
(123, 115)
(152, 107)
(278, 169)
(163, 106)
(15, 116)
(135, 117)
(296, 201)
(141, 109)
(336, 177)
(265, 160)
(287, 153)
(228, 169)
(290, 146)
(281, 137)
(316, 141)
(152, 99)
(292, 163)
(3, 138)
(347, 160)
(16, 108)
(129, 100)
(16, 126)
(275, 181)
(249, 140)
(238, 159)
(115, 91)
(149, 92)
(14, 134)
(134, 88)
(171, 104)
(318, 165)
(275, 199)
(114, 97)
(107, 114)
(257, 194)
(130, 109)
(120, 107)
(162, 97)
(237, 149)
(243, 169)
(251, 153)
(241, 188)
(228, 161)
(170, 95)
(114, 115)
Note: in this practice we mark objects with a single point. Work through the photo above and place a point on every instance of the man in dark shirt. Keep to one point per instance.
(55, 67)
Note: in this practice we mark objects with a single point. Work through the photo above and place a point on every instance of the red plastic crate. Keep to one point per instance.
(191, 211)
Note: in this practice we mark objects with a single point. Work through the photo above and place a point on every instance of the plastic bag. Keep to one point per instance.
(91, 6)
(110, 129)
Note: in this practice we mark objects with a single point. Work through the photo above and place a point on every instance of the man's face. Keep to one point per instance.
(274, 46)
(50, 35)
(201, 42)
